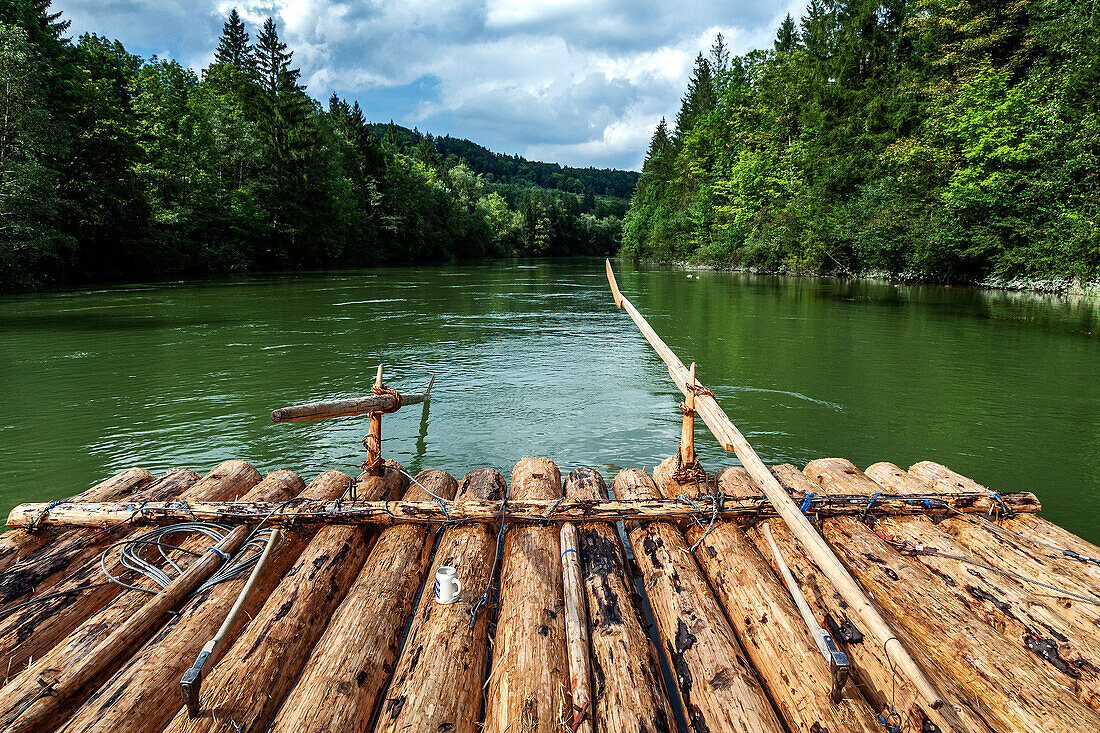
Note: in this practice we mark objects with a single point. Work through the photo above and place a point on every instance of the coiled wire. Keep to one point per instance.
(164, 570)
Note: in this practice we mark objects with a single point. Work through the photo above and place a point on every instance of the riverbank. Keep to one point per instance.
(1047, 286)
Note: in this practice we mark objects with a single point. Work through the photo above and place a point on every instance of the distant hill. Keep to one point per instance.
(516, 170)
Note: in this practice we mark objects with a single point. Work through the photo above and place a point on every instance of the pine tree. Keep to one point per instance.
(786, 39)
(425, 152)
(273, 61)
(699, 100)
(720, 55)
(233, 46)
(660, 147)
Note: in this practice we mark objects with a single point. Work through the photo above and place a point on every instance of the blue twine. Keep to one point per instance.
(220, 553)
(887, 726)
(693, 504)
(1000, 500)
(807, 502)
(573, 550)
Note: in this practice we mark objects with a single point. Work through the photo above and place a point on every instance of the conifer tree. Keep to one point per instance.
(273, 61)
(699, 100)
(786, 38)
(233, 46)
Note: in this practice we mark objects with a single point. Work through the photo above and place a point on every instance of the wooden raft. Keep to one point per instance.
(342, 629)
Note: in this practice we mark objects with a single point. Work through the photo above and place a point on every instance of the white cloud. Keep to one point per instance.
(582, 82)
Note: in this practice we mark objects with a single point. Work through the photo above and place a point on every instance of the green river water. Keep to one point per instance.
(531, 358)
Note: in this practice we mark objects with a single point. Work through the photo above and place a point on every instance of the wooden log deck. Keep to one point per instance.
(668, 612)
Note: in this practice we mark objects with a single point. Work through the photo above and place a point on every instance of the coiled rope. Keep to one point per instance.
(164, 570)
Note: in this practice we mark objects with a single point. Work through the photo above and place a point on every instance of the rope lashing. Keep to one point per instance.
(867, 509)
(483, 601)
(220, 553)
(716, 508)
(1006, 513)
(807, 503)
(549, 512)
(383, 389)
(886, 723)
(699, 389)
(33, 526)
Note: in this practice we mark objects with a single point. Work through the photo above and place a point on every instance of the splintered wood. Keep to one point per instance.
(342, 629)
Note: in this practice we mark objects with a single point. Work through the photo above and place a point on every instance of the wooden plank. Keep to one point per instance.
(1013, 690)
(872, 663)
(738, 508)
(18, 544)
(93, 631)
(576, 630)
(244, 690)
(812, 543)
(629, 694)
(529, 684)
(32, 631)
(716, 685)
(437, 681)
(144, 694)
(340, 685)
(1014, 608)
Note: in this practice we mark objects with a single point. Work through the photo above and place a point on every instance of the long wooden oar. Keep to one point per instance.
(730, 438)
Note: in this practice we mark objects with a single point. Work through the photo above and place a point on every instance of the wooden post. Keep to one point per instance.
(1014, 608)
(732, 440)
(93, 630)
(82, 670)
(144, 694)
(15, 545)
(437, 682)
(528, 686)
(80, 578)
(716, 684)
(687, 428)
(872, 659)
(1013, 689)
(374, 435)
(275, 645)
(341, 683)
(576, 631)
(628, 694)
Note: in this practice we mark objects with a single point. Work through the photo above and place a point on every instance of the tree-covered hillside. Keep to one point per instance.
(114, 166)
(947, 139)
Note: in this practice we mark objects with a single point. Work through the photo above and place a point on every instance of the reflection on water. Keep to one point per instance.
(533, 359)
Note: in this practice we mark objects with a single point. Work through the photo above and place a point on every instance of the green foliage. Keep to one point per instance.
(950, 139)
(112, 166)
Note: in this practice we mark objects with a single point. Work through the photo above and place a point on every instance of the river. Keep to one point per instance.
(531, 358)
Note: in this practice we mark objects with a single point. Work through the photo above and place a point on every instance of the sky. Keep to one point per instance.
(579, 82)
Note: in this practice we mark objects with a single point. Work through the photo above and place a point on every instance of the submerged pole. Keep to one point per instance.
(812, 543)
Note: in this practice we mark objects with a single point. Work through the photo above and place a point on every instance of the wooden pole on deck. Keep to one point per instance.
(732, 440)
(576, 630)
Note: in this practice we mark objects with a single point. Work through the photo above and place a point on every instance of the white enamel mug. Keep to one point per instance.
(447, 585)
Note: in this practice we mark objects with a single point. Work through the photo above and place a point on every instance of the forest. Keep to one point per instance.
(116, 167)
(951, 140)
